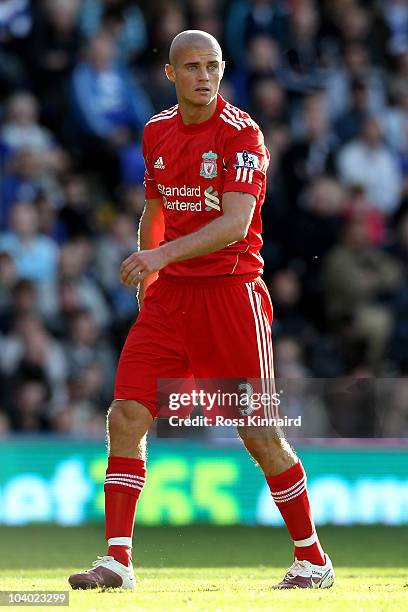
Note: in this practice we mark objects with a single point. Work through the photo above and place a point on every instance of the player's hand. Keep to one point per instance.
(140, 264)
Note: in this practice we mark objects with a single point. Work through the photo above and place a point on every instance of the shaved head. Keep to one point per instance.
(196, 69)
(193, 39)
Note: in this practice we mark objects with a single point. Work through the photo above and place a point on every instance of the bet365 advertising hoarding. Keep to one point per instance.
(62, 481)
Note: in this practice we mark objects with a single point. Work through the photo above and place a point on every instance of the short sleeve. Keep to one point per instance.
(246, 161)
(150, 185)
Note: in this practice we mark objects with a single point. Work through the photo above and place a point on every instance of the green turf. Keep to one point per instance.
(213, 568)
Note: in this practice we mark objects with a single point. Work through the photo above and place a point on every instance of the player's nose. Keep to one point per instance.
(203, 74)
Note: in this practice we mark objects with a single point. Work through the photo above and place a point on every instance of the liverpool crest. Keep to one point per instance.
(209, 165)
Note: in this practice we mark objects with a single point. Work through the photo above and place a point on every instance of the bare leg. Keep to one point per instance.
(127, 425)
(286, 479)
(269, 448)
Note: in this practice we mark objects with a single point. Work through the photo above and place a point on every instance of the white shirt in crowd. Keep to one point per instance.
(374, 168)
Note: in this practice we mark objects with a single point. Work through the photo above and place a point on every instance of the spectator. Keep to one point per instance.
(167, 18)
(247, 18)
(288, 319)
(355, 276)
(398, 352)
(355, 25)
(85, 347)
(28, 409)
(8, 280)
(395, 122)
(48, 218)
(23, 299)
(21, 130)
(161, 90)
(398, 76)
(368, 161)
(309, 235)
(15, 26)
(75, 215)
(357, 66)
(5, 425)
(26, 179)
(395, 422)
(357, 205)
(55, 43)
(320, 215)
(268, 102)
(348, 125)
(277, 140)
(399, 246)
(132, 201)
(34, 254)
(80, 413)
(398, 347)
(330, 32)
(395, 15)
(30, 348)
(351, 404)
(262, 63)
(301, 396)
(264, 58)
(303, 51)
(111, 250)
(74, 275)
(312, 153)
(122, 19)
(204, 15)
(15, 20)
(289, 358)
(109, 106)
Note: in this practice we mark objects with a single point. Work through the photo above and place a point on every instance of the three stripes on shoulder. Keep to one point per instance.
(230, 114)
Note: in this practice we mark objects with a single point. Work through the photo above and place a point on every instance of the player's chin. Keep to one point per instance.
(203, 97)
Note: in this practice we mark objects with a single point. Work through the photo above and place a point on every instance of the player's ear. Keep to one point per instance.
(222, 69)
(169, 70)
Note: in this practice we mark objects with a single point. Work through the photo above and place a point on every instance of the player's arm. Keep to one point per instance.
(151, 232)
(232, 226)
(238, 209)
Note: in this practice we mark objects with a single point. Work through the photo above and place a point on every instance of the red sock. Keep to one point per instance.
(289, 492)
(124, 482)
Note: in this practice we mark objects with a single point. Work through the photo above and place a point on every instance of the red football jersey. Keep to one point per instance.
(191, 166)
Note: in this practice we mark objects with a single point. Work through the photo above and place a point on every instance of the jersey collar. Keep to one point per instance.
(195, 128)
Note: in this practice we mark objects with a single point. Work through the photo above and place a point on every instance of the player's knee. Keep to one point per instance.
(126, 415)
(114, 417)
(265, 445)
(255, 446)
(119, 415)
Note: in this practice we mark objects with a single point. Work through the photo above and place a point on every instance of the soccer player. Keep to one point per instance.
(205, 312)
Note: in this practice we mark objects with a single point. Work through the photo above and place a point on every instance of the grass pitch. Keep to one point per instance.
(212, 568)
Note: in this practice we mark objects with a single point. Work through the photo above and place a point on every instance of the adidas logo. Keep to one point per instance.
(159, 163)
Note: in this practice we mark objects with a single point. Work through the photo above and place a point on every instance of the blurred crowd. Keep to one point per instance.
(326, 80)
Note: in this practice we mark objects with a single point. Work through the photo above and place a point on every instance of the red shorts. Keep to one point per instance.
(197, 328)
